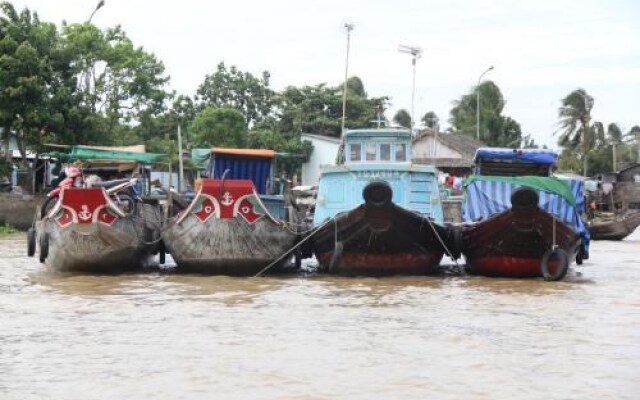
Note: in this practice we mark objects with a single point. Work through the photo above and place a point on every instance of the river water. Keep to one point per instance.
(167, 336)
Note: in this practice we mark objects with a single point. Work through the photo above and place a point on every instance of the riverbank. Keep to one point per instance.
(18, 210)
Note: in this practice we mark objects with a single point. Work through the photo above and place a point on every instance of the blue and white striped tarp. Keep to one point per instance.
(485, 198)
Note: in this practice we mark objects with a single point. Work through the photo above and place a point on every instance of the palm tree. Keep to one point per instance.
(575, 119)
(615, 137)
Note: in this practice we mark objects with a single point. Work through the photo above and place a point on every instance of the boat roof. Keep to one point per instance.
(244, 152)
(536, 156)
(375, 132)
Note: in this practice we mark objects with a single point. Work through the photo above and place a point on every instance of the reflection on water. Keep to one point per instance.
(162, 335)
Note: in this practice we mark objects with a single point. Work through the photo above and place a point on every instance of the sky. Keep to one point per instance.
(540, 50)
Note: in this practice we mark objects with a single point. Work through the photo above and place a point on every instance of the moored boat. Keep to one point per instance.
(86, 231)
(376, 212)
(520, 221)
(96, 226)
(232, 226)
(616, 227)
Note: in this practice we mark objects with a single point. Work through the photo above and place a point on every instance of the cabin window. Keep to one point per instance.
(401, 152)
(385, 152)
(355, 152)
(371, 151)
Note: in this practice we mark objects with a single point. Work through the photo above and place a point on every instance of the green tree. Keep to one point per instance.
(240, 90)
(575, 129)
(222, 127)
(431, 120)
(402, 118)
(495, 129)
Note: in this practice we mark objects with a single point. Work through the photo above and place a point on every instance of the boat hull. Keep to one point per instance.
(614, 230)
(86, 232)
(227, 230)
(380, 241)
(513, 243)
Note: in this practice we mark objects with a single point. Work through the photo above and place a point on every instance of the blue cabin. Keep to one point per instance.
(372, 155)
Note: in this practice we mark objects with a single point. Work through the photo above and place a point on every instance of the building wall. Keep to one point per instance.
(426, 147)
(324, 152)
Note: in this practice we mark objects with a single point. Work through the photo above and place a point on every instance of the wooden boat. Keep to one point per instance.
(537, 232)
(378, 214)
(86, 232)
(616, 228)
(229, 227)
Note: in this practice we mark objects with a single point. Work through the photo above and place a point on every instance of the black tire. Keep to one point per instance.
(579, 258)
(561, 270)
(44, 247)
(337, 256)
(524, 199)
(162, 253)
(377, 194)
(47, 206)
(126, 203)
(31, 242)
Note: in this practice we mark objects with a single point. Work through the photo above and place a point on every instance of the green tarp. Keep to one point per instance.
(547, 184)
(81, 153)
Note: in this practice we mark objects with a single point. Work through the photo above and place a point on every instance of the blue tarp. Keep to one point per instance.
(242, 167)
(538, 156)
(484, 198)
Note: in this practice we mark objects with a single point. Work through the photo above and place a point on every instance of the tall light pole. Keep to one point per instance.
(478, 102)
(348, 27)
(98, 6)
(416, 53)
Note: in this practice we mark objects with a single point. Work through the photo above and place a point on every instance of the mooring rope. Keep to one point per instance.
(288, 252)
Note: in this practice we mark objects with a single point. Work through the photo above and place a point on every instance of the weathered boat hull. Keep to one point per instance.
(513, 243)
(87, 233)
(238, 238)
(616, 229)
(385, 240)
(95, 248)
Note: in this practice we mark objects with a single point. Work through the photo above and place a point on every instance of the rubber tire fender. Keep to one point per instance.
(563, 264)
(44, 247)
(31, 242)
(47, 205)
(162, 253)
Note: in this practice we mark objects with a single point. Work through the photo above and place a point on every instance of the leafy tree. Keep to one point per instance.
(402, 118)
(431, 120)
(222, 127)
(355, 87)
(495, 128)
(575, 118)
(240, 90)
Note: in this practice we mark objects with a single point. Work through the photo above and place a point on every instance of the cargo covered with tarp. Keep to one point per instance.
(251, 164)
(107, 154)
(489, 195)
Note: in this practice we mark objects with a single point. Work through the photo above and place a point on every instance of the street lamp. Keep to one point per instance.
(98, 6)
(416, 53)
(348, 27)
(478, 102)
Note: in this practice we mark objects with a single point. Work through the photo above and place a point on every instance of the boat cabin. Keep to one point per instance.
(377, 155)
(514, 162)
(376, 146)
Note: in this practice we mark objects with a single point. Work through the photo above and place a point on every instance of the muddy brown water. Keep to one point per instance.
(168, 336)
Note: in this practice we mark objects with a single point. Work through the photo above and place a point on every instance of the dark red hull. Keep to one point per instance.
(513, 244)
(381, 241)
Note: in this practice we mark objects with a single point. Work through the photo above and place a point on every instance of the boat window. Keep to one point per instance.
(385, 152)
(401, 152)
(371, 151)
(355, 150)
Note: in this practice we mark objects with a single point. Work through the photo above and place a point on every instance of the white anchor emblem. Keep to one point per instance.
(84, 214)
(227, 199)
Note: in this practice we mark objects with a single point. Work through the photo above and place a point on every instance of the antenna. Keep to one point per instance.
(416, 53)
